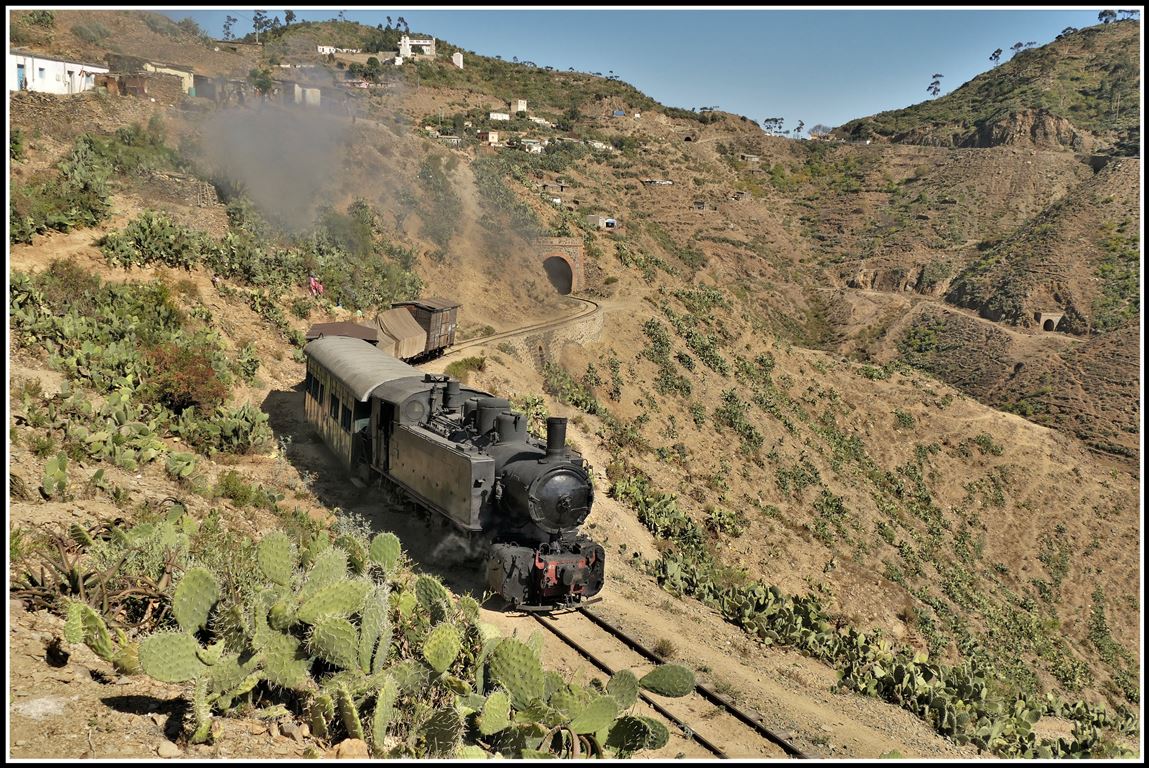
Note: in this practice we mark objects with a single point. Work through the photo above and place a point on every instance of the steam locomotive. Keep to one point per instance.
(466, 456)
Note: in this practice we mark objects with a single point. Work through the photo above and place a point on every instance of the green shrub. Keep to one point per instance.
(92, 32)
(460, 368)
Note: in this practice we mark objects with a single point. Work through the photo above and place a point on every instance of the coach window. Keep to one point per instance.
(345, 421)
(309, 384)
(334, 406)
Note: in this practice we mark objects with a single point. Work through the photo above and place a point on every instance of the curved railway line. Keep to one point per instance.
(693, 716)
(588, 309)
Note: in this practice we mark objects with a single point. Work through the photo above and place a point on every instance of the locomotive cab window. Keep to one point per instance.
(334, 406)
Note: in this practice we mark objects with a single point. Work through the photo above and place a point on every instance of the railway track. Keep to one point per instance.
(703, 712)
(589, 308)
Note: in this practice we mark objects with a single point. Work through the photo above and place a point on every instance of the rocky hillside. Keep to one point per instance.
(748, 406)
(1080, 92)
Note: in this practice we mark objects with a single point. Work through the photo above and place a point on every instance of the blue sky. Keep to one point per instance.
(816, 65)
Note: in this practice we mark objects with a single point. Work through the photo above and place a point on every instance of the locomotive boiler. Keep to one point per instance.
(466, 456)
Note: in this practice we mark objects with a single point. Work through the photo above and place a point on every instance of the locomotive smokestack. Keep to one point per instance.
(452, 398)
(556, 438)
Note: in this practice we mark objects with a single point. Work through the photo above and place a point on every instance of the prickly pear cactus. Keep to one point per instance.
(383, 714)
(385, 551)
(330, 566)
(514, 666)
(375, 631)
(337, 641)
(196, 594)
(320, 712)
(441, 647)
(628, 735)
(658, 735)
(441, 733)
(496, 713)
(339, 598)
(277, 557)
(669, 680)
(171, 657)
(286, 664)
(348, 712)
(432, 596)
(598, 714)
(623, 686)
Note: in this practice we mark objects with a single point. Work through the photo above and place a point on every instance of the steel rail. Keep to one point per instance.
(590, 309)
(754, 721)
(682, 726)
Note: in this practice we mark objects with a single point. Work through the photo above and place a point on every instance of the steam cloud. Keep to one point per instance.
(280, 158)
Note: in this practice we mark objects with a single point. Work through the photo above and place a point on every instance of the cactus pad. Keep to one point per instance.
(277, 557)
(320, 712)
(348, 713)
(441, 732)
(96, 633)
(470, 608)
(339, 598)
(330, 566)
(74, 625)
(623, 686)
(496, 714)
(596, 715)
(195, 595)
(628, 734)
(658, 734)
(337, 641)
(441, 647)
(171, 657)
(384, 712)
(285, 663)
(385, 551)
(433, 596)
(356, 552)
(514, 665)
(373, 626)
(669, 680)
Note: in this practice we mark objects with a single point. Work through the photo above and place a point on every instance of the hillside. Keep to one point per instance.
(1081, 92)
(815, 370)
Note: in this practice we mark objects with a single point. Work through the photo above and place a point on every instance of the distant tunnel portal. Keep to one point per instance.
(559, 273)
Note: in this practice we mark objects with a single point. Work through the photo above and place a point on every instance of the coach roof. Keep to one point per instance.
(358, 364)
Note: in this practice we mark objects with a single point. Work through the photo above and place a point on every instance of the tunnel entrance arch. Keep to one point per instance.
(561, 259)
(1048, 320)
(560, 274)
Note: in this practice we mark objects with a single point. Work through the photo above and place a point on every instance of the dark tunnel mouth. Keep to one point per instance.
(559, 273)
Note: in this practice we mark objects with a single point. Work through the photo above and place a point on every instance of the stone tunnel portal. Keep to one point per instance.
(560, 274)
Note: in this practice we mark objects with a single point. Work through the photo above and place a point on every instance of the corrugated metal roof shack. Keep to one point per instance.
(438, 317)
(400, 334)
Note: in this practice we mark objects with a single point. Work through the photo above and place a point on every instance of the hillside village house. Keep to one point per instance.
(185, 74)
(31, 72)
(499, 116)
(426, 46)
(518, 105)
(489, 137)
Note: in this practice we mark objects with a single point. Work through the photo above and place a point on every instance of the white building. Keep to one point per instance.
(457, 59)
(518, 105)
(426, 44)
(499, 116)
(541, 121)
(39, 73)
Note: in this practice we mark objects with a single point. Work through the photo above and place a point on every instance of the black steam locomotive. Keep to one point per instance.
(467, 456)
